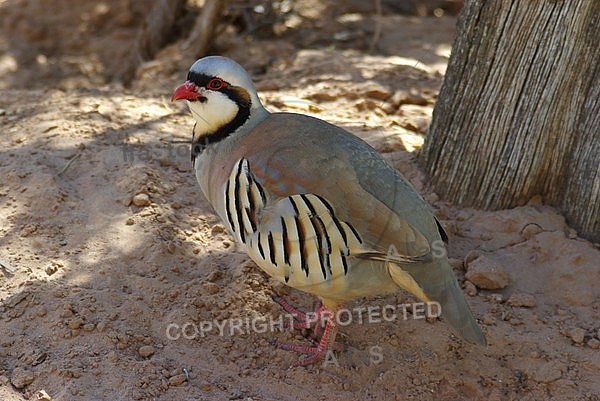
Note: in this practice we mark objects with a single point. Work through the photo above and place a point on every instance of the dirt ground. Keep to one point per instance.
(113, 263)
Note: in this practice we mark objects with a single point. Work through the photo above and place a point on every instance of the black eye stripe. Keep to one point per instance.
(207, 81)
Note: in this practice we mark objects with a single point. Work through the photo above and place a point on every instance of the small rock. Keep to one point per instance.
(521, 300)
(212, 288)
(21, 377)
(470, 289)
(4, 380)
(41, 395)
(113, 357)
(577, 334)
(177, 379)
(217, 229)
(146, 351)
(75, 323)
(141, 200)
(593, 343)
(206, 387)
(496, 298)
(129, 221)
(50, 270)
(487, 274)
(127, 201)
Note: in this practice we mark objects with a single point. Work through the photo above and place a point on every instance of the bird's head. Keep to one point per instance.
(220, 96)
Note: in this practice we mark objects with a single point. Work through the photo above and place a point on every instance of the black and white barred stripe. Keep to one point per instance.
(244, 198)
(299, 239)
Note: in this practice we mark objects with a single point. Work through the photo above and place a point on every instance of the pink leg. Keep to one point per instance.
(302, 318)
(319, 348)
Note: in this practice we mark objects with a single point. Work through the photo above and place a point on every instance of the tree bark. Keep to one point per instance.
(518, 113)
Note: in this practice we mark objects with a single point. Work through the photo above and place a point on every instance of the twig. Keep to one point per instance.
(68, 164)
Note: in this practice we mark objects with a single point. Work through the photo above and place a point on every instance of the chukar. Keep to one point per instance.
(313, 205)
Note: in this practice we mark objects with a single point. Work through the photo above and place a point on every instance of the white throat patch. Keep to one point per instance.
(212, 114)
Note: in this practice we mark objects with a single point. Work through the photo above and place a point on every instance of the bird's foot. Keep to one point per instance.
(322, 319)
(304, 320)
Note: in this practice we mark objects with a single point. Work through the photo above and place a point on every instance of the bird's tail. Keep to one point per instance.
(435, 281)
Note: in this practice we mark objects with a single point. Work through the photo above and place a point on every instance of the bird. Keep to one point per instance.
(314, 206)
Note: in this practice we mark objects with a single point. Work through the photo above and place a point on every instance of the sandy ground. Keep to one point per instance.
(114, 265)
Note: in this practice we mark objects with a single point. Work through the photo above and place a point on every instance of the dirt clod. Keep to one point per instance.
(141, 200)
(487, 274)
(21, 377)
(521, 300)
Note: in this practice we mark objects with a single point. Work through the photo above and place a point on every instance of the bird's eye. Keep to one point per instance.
(215, 84)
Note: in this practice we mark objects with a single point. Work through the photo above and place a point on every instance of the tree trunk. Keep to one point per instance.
(204, 29)
(158, 27)
(518, 113)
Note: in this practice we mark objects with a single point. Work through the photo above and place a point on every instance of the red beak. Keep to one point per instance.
(186, 91)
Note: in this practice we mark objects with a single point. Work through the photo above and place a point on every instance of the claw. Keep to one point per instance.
(319, 347)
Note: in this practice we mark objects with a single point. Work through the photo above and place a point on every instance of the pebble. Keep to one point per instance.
(146, 351)
(217, 229)
(41, 395)
(470, 289)
(75, 323)
(141, 200)
(487, 274)
(50, 270)
(577, 334)
(521, 300)
(496, 298)
(21, 377)
(212, 288)
(89, 327)
(177, 379)
(593, 343)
